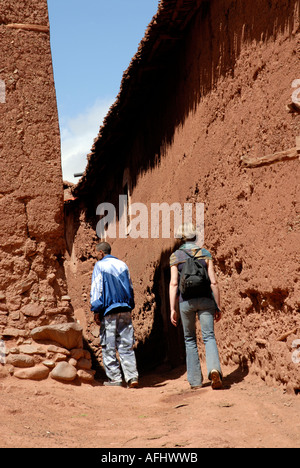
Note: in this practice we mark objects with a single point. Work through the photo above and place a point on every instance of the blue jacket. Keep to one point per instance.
(111, 286)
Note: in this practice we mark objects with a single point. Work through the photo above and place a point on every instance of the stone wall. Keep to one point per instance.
(33, 287)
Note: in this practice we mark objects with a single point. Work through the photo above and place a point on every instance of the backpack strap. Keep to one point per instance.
(192, 256)
(189, 255)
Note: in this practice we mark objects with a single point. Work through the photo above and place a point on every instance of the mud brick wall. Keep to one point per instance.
(200, 99)
(32, 282)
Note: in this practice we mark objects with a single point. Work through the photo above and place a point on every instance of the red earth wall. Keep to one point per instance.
(233, 84)
(31, 187)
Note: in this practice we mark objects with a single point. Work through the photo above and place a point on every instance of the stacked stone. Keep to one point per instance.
(18, 314)
(54, 351)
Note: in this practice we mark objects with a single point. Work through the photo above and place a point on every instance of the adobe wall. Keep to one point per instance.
(234, 72)
(32, 278)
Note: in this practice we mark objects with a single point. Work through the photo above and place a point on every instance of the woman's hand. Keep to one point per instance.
(218, 316)
(173, 295)
(174, 317)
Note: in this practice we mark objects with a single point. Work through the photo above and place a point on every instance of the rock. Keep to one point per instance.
(33, 310)
(68, 335)
(51, 312)
(81, 317)
(3, 319)
(66, 298)
(20, 360)
(95, 331)
(87, 354)
(40, 372)
(49, 363)
(73, 362)
(56, 349)
(77, 353)
(14, 315)
(86, 375)
(85, 364)
(31, 349)
(65, 310)
(64, 372)
(14, 303)
(30, 248)
(25, 285)
(14, 332)
(60, 357)
(51, 278)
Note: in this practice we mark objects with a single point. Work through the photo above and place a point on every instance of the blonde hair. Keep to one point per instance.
(186, 231)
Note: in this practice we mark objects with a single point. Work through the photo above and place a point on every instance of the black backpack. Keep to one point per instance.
(194, 279)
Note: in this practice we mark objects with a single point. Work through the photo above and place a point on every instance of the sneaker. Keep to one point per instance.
(133, 383)
(216, 381)
(112, 383)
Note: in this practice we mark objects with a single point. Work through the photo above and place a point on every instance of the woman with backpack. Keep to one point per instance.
(194, 283)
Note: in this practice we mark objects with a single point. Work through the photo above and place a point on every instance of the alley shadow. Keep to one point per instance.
(160, 376)
(235, 377)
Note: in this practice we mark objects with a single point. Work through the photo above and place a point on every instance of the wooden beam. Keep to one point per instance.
(251, 161)
(287, 334)
(29, 27)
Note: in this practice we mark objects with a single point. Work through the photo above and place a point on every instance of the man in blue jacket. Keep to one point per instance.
(112, 300)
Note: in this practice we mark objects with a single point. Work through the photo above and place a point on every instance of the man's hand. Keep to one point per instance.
(97, 319)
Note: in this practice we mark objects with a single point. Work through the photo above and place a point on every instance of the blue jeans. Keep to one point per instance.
(116, 334)
(205, 308)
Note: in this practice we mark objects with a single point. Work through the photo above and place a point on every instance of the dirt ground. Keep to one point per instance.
(162, 413)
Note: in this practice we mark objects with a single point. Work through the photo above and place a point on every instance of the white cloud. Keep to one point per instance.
(77, 138)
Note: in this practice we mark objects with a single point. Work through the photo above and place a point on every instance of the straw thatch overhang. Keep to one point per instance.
(141, 79)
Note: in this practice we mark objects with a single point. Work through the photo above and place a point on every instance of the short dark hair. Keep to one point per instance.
(104, 247)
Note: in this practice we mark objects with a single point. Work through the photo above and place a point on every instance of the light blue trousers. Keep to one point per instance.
(116, 334)
(205, 309)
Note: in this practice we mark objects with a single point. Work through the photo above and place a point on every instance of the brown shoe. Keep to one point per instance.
(133, 383)
(216, 381)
